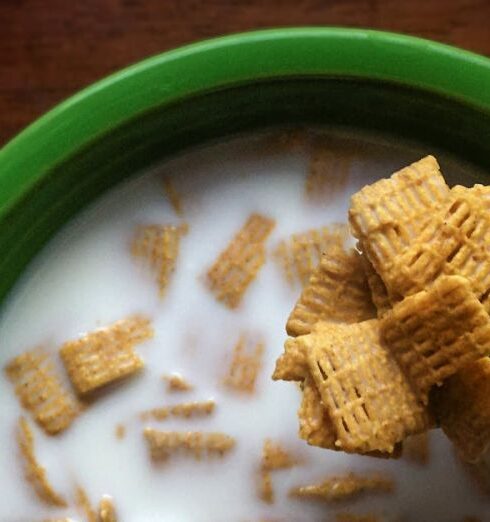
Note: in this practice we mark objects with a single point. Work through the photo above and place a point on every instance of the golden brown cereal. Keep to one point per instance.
(35, 474)
(245, 366)
(436, 332)
(345, 487)
(120, 431)
(162, 444)
(173, 196)
(315, 425)
(364, 391)
(187, 410)
(107, 510)
(274, 457)
(158, 246)
(337, 291)
(379, 293)
(106, 355)
(83, 502)
(239, 263)
(462, 406)
(389, 215)
(300, 254)
(292, 364)
(416, 448)
(328, 173)
(177, 383)
(40, 391)
(266, 490)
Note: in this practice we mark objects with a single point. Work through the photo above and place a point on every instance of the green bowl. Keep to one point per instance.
(398, 85)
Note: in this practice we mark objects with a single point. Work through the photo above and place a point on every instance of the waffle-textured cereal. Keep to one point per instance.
(292, 364)
(239, 263)
(364, 391)
(462, 406)
(245, 365)
(345, 487)
(106, 355)
(158, 247)
(107, 510)
(436, 332)
(300, 254)
(379, 293)
(35, 473)
(337, 291)
(163, 444)
(41, 391)
(186, 410)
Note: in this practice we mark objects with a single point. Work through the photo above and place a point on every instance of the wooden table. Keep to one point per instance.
(51, 48)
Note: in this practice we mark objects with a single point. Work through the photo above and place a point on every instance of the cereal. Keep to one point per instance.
(435, 332)
(163, 444)
(239, 263)
(177, 383)
(379, 293)
(328, 173)
(416, 449)
(266, 489)
(245, 366)
(120, 431)
(83, 502)
(389, 215)
(364, 391)
(158, 246)
(351, 517)
(287, 140)
(40, 391)
(173, 196)
(35, 474)
(337, 291)
(462, 406)
(292, 364)
(105, 355)
(186, 410)
(107, 510)
(300, 254)
(274, 457)
(345, 487)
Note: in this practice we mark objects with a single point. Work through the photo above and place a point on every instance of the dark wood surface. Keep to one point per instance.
(51, 48)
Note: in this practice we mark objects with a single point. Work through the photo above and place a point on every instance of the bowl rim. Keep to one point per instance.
(233, 60)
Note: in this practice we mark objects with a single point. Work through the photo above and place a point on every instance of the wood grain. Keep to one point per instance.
(51, 48)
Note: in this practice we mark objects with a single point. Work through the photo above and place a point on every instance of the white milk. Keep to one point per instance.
(86, 278)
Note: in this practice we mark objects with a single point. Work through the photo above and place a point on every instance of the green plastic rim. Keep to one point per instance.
(230, 84)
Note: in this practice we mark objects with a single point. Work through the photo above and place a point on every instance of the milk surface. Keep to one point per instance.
(85, 278)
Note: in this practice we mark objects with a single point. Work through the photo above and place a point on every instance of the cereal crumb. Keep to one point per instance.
(120, 431)
(245, 366)
(36, 474)
(274, 456)
(163, 444)
(345, 487)
(266, 490)
(186, 410)
(177, 383)
(106, 355)
(83, 502)
(107, 510)
(239, 263)
(173, 196)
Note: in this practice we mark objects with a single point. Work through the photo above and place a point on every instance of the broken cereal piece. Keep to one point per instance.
(34, 472)
(40, 391)
(186, 410)
(106, 355)
(436, 332)
(328, 173)
(379, 293)
(173, 196)
(162, 444)
(337, 291)
(366, 395)
(158, 246)
(83, 502)
(107, 510)
(292, 364)
(274, 457)
(245, 365)
(345, 487)
(238, 265)
(177, 383)
(416, 448)
(120, 431)
(300, 254)
(462, 406)
(266, 489)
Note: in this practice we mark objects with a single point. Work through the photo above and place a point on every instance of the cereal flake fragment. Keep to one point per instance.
(173, 196)
(177, 383)
(186, 410)
(107, 510)
(245, 365)
(328, 173)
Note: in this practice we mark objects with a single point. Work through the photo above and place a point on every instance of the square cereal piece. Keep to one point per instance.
(106, 355)
(158, 246)
(245, 365)
(364, 391)
(462, 406)
(239, 263)
(337, 291)
(436, 332)
(379, 293)
(292, 364)
(300, 254)
(41, 391)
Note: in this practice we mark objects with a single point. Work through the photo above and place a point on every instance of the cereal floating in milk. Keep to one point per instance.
(107, 510)
(185, 410)
(177, 383)
(245, 365)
